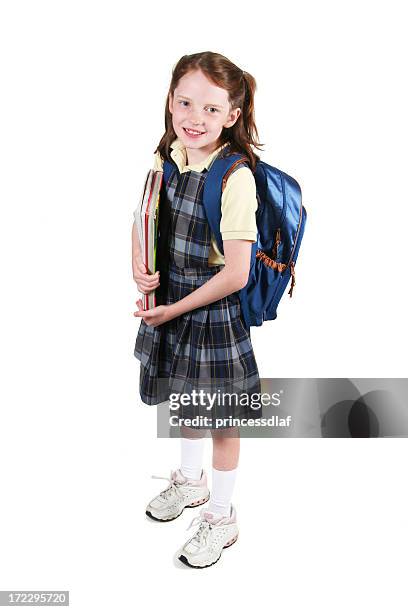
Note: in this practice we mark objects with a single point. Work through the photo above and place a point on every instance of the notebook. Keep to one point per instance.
(147, 217)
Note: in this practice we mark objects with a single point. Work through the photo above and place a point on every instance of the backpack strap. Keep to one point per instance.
(168, 168)
(231, 169)
(214, 185)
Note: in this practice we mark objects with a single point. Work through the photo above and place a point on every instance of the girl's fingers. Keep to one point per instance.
(147, 276)
(141, 313)
(146, 283)
(147, 288)
(147, 280)
(143, 270)
(149, 283)
(139, 303)
(145, 291)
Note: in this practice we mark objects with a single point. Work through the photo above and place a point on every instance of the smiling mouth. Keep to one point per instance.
(193, 132)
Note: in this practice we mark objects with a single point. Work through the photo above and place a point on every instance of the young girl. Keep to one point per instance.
(198, 333)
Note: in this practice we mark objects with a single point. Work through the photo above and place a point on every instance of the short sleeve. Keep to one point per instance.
(238, 206)
(158, 163)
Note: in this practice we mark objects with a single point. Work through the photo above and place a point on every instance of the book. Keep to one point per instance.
(147, 218)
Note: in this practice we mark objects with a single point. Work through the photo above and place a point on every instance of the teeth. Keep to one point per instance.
(192, 131)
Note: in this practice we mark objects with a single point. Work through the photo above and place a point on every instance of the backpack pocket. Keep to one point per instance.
(263, 287)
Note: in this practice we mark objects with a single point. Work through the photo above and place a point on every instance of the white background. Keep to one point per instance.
(323, 522)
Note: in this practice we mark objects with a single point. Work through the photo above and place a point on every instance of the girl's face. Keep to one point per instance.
(203, 107)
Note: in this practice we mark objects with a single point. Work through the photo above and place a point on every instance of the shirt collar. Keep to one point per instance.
(178, 154)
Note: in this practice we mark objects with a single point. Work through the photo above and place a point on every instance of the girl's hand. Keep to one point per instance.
(153, 316)
(145, 281)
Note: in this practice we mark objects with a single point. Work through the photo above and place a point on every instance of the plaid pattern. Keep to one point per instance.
(209, 347)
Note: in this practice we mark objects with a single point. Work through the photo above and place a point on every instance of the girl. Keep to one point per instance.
(198, 334)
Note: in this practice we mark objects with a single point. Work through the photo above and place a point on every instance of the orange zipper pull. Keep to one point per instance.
(277, 243)
(292, 274)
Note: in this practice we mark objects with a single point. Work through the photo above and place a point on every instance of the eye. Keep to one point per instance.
(216, 110)
(182, 101)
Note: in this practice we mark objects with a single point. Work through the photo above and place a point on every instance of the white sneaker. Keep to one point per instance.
(181, 493)
(215, 532)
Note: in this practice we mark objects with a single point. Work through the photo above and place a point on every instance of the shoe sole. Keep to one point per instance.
(193, 505)
(184, 560)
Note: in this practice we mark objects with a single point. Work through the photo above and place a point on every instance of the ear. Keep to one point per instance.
(233, 117)
(171, 103)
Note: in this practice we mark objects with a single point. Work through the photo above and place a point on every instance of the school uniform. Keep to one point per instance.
(209, 347)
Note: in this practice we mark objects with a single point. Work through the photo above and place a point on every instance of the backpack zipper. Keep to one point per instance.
(290, 262)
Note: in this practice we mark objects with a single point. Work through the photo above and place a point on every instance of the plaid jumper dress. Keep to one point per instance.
(209, 346)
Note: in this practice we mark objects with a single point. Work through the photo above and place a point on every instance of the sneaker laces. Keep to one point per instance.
(173, 486)
(201, 536)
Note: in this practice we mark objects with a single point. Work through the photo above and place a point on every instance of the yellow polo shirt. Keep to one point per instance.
(238, 201)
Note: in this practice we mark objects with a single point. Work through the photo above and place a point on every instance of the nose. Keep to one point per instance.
(195, 117)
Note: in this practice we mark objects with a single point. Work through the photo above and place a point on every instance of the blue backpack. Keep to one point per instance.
(280, 220)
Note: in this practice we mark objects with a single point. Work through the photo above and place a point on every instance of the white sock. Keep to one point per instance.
(222, 485)
(192, 451)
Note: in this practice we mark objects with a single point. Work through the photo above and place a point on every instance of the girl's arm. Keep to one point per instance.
(145, 282)
(232, 277)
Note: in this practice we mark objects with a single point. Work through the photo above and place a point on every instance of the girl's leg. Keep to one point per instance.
(226, 446)
(192, 451)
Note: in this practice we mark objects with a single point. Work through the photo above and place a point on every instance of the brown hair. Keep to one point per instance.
(241, 88)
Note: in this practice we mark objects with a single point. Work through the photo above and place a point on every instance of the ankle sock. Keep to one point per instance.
(222, 486)
(192, 451)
